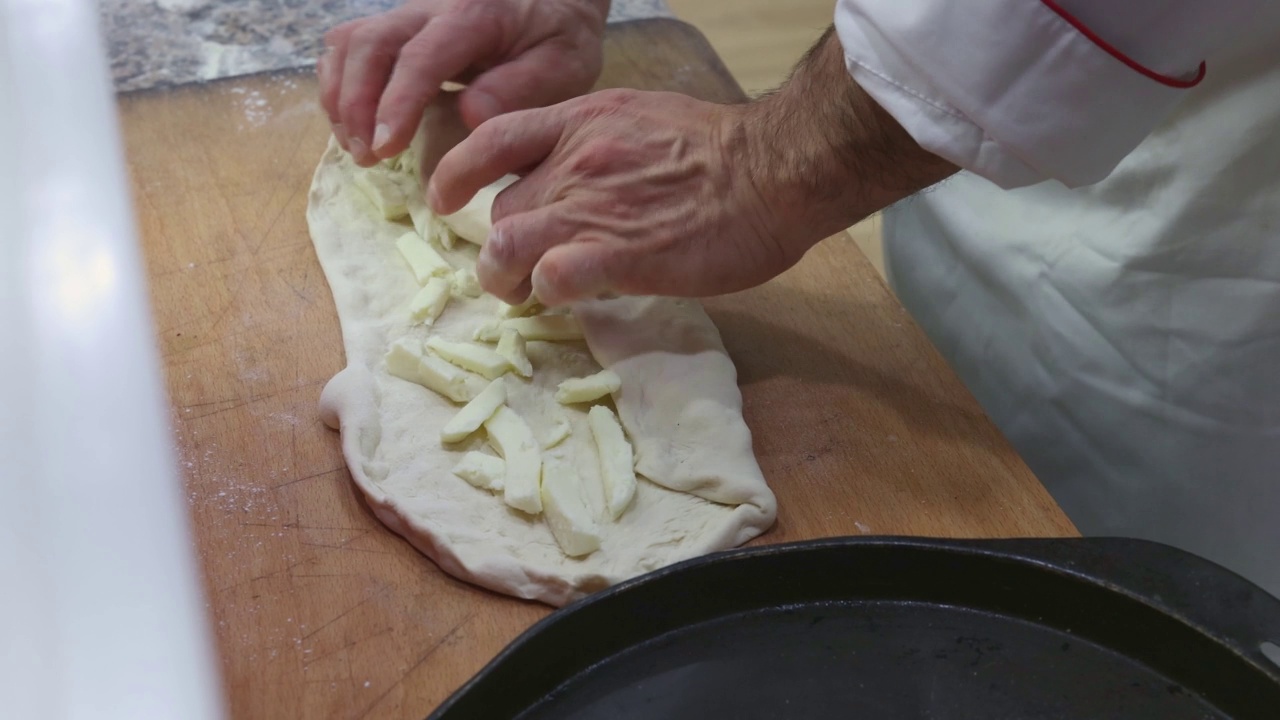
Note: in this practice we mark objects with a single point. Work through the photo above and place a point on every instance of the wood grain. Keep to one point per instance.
(759, 40)
(320, 612)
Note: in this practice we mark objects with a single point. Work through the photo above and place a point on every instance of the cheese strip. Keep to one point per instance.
(511, 345)
(448, 380)
(557, 433)
(408, 363)
(447, 239)
(586, 389)
(429, 302)
(428, 225)
(403, 360)
(490, 331)
(617, 463)
(472, 416)
(466, 283)
(515, 311)
(469, 356)
(424, 221)
(483, 471)
(383, 191)
(402, 163)
(425, 262)
(473, 221)
(554, 328)
(566, 510)
(512, 438)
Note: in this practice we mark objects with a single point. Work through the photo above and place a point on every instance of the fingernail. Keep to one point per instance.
(340, 133)
(486, 105)
(358, 149)
(381, 136)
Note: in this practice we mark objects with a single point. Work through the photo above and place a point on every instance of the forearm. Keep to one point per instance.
(821, 152)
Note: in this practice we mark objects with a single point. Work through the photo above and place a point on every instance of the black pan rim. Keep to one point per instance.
(1029, 553)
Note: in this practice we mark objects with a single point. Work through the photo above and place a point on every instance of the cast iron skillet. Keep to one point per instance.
(900, 628)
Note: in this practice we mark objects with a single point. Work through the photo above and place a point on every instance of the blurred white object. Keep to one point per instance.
(101, 612)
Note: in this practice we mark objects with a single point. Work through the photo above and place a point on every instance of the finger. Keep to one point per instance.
(329, 67)
(545, 75)
(442, 129)
(506, 144)
(585, 270)
(515, 246)
(324, 68)
(324, 73)
(521, 196)
(371, 54)
(444, 50)
(580, 270)
(524, 292)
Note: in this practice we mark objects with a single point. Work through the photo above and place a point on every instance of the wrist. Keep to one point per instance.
(822, 154)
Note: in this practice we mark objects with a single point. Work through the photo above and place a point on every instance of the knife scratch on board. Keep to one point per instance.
(405, 675)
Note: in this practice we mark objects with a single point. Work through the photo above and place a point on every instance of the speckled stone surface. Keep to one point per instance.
(155, 43)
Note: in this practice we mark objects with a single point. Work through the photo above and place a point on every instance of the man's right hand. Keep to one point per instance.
(380, 72)
(639, 193)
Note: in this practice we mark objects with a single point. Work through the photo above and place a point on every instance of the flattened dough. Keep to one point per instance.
(700, 489)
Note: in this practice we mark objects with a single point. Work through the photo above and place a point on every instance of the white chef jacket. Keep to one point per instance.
(1115, 308)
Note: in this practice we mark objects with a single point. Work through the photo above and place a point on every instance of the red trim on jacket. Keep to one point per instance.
(1115, 52)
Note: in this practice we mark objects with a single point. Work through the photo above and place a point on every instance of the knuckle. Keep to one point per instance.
(495, 137)
(350, 107)
(600, 104)
(571, 275)
(503, 206)
(416, 54)
(367, 34)
(490, 278)
(596, 157)
(483, 19)
(419, 51)
(552, 279)
(339, 35)
(376, 37)
(583, 108)
(500, 246)
(614, 99)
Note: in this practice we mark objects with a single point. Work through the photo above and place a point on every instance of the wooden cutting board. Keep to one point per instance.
(319, 610)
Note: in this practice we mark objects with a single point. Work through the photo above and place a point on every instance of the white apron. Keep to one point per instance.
(1126, 336)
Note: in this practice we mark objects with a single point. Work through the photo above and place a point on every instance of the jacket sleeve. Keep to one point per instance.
(1020, 91)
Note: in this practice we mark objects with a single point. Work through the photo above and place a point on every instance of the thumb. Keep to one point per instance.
(545, 75)
(590, 268)
(579, 270)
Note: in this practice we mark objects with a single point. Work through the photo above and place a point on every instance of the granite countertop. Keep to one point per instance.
(157, 43)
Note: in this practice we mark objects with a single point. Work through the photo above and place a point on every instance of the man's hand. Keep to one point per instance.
(631, 193)
(634, 193)
(380, 72)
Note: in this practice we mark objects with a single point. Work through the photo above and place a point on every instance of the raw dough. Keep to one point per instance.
(700, 488)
